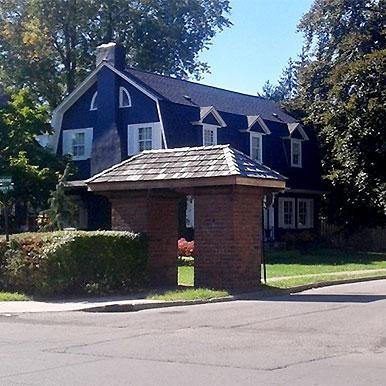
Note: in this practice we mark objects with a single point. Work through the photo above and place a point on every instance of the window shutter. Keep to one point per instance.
(156, 136)
(88, 141)
(281, 213)
(311, 213)
(132, 139)
(67, 142)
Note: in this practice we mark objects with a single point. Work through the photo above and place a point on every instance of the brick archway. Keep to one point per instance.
(228, 215)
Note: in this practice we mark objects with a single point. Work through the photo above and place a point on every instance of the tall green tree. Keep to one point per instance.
(61, 211)
(342, 92)
(49, 45)
(32, 168)
(286, 88)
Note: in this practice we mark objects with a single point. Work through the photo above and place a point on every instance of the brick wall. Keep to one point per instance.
(156, 215)
(228, 237)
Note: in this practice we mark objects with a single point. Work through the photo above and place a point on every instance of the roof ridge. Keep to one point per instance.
(185, 148)
(257, 163)
(231, 160)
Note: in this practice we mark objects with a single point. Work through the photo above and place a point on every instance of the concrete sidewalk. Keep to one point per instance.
(75, 304)
(137, 302)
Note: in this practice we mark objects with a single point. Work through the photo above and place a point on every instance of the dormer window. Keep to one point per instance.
(256, 146)
(94, 102)
(296, 153)
(209, 135)
(124, 98)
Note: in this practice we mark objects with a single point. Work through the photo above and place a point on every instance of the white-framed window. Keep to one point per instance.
(209, 135)
(78, 142)
(145, 141)
(256, 146)
(94, 101)
(296, 153)
(305, 209)
(286, 212)
(143, 136)
(124, 98)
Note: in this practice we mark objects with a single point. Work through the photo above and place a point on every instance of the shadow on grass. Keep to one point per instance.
(322, 256)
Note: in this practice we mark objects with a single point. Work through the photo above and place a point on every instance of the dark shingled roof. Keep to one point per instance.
(196, 94)
(186, 163)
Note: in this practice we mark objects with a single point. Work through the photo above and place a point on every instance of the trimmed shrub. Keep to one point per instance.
(185, 248)
(73, 262)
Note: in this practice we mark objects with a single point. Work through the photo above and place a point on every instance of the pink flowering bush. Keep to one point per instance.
(185, 248)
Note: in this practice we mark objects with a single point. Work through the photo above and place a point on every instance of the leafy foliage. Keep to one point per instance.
(286, 88)
(49, 45)
(73, 262)
(341, 92)
(32, 168)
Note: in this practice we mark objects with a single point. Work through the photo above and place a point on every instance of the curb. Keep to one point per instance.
(132, 307)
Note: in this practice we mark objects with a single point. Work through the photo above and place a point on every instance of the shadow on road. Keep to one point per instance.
(324, 298)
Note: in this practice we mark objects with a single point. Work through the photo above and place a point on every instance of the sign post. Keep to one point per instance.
(6, 186)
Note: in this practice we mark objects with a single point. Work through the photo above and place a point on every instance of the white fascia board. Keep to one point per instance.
(252, 119)
(144, 91)
(205, 111)
(131, 81)
(292, 127)
(57, 114)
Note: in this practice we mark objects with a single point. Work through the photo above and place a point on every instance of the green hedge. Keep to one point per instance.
(73, 262)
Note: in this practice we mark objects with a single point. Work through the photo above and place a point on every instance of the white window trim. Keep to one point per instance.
(298, 141)
(260, 137)
(122, 91)
(310, 213)
(213, 128)
(88, 131)
(133, 137)
(92, 104)
(281, 213)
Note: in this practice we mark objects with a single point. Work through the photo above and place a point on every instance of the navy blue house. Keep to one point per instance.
(118, 112)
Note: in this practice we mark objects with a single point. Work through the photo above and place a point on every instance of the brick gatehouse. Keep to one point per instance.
(228, 189)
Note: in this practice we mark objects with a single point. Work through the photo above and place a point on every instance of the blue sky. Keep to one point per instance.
(258, 46)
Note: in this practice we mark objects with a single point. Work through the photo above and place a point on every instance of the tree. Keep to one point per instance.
(49, 45)
(286, 89)
(342, 92)
(32, 168)
(62, 210)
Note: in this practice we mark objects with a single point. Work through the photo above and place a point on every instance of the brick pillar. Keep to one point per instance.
(227, 235)
(155, 214)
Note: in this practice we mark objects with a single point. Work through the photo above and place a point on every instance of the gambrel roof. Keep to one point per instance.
(196, 94)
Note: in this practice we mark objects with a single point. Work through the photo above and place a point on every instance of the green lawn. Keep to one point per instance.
(7, 296)
(285, 263)
(319, 261)
(189, 294)
(185, 275)
(288, 283)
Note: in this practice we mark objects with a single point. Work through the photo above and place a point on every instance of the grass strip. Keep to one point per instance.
(185, 275)
(189, 294)
(7, 297)
(288, 283)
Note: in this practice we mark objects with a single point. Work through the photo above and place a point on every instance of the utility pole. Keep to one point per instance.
(6, 186)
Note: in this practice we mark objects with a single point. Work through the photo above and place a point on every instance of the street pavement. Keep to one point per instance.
(328, 336)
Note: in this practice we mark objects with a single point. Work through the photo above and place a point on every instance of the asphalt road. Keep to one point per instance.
(330, 336)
